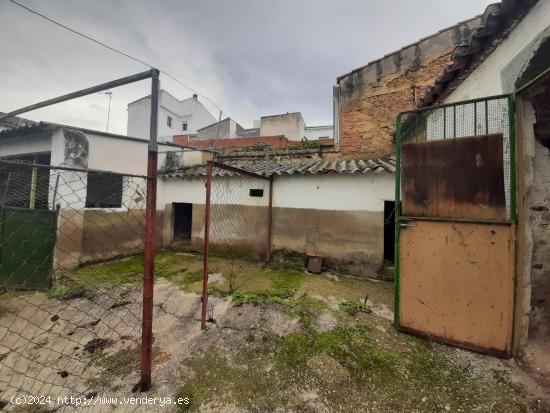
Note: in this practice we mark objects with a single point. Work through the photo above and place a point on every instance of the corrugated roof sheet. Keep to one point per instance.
(297, 167)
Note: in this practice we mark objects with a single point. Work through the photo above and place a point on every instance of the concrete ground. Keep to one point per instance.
(279, 339)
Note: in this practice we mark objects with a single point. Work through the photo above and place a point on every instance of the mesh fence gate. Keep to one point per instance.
(238, 219)
(78, 236)
(455, 214)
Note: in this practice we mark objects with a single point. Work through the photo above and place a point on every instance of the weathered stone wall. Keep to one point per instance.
(367, 121)
(372, 96)
(538, 201)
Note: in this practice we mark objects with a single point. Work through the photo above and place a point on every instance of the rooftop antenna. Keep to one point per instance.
(109, 109)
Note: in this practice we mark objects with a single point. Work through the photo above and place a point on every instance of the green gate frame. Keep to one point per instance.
(512, 159)
(22, 277)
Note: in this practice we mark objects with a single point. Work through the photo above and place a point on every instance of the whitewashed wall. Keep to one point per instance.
(313, 132)
(25, 145)
(335, 192)
(486, 80)
(189, 110)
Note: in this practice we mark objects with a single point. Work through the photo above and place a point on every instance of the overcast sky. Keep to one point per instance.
(253, 57)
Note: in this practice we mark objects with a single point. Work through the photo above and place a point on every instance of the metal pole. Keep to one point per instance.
(397, 216)
(206, 247)
(55, 190)
(83, 92)
(6, 189)
(32, 198)
(218, 130)
(149, 256)
(270, 221)
(109, 108)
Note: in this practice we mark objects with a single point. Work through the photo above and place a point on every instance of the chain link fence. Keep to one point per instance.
(71, 274)
(238, 216)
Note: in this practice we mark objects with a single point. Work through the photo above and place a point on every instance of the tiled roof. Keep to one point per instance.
(498, 20)
(296, 167)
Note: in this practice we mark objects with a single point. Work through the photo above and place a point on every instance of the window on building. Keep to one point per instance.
(184, 126)
(169, 121)
(257, 193)
(104, 190)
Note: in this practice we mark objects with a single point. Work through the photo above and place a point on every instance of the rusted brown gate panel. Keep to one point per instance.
(457, 283)
(454, 178)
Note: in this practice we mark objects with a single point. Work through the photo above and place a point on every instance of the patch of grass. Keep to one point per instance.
(354, 307)
(191, 278)
(285, 280)
(63, 292)
(354, 372)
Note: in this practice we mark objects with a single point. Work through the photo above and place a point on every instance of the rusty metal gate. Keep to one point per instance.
(455, 224)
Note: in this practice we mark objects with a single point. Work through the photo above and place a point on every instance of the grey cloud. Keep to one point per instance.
(253, 57)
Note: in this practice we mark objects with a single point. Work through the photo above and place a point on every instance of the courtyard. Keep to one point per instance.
(278, 339)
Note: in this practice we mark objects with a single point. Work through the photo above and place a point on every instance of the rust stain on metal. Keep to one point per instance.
(454, 178)
(452, 287)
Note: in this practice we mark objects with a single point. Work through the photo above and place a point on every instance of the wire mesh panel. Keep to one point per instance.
(456, 184)
(489, 116)
(71, 271)
(237, 217)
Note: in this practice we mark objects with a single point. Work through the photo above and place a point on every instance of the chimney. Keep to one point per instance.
(195, 96)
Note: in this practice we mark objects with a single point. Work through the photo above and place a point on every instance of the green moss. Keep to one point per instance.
(61, 292)
(354, 371)
(354, 307)
(220, 382)
(191, 278)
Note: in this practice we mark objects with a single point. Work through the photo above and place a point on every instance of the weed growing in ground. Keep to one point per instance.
(62, 292)
(354, 307)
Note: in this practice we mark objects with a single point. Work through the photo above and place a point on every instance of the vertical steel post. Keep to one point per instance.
(270, 220)
(475, 118)
(150, 222)
(486, 117)
(206, 246)
(512, 146)
(454, 121)
(397, 216)
(445, 123)
(34, 178)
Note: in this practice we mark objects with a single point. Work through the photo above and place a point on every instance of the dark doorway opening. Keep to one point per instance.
(183, 219)
(389, 231)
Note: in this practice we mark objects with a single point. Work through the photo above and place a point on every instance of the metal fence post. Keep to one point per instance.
(150, 223)
(270, 221)
(206, 246)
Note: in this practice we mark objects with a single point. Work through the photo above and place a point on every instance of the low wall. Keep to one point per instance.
(349, 241)
(97, 235)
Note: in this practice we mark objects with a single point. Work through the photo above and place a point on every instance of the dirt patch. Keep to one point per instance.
(280, 341)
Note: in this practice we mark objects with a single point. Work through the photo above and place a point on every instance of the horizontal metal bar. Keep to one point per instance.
(239, 170)
(88, 91)
(463, 102)
(66, 168)
(532, 81)
(462, 220)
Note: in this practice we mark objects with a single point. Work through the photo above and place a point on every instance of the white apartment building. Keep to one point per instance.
(176, 117)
